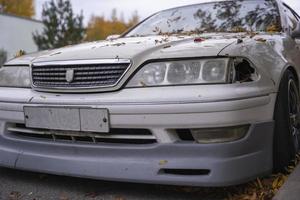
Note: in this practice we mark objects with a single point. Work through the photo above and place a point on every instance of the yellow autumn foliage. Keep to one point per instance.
(99, 27)
(24, 8)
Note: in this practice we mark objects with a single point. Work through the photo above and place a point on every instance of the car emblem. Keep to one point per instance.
(70, 75)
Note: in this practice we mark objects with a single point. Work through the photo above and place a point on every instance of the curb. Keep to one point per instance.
(291, 188)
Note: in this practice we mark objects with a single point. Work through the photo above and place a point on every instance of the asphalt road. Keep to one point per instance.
(291, 189)
(15, 185)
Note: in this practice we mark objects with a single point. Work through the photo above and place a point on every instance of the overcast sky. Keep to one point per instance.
(127, 7)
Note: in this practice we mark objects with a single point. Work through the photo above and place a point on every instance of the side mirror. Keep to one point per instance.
(296, 32)
(112, 37)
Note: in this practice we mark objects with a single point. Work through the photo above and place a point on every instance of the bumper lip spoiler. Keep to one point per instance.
(229, 163)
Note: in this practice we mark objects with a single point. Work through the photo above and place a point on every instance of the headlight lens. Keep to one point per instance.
(214, 70)
(155, 74)
(202, 71)
(14, 77)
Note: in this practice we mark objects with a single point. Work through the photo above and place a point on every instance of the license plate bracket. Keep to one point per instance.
(67, 118)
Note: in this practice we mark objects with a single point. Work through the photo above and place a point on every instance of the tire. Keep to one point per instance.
(286, 116)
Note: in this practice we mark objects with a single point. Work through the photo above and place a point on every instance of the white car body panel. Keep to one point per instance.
(162, 110)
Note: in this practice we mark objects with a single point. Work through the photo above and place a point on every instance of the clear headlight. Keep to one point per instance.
(203, 71)
(15, 77)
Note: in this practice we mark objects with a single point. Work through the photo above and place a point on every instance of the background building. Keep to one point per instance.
(16, 34)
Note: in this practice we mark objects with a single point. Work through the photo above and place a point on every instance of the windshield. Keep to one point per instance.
(226, 16)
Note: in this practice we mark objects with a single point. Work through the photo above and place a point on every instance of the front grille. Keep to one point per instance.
(121, 136)
(72, 75)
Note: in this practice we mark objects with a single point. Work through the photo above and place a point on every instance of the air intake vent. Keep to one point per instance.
(119, 136)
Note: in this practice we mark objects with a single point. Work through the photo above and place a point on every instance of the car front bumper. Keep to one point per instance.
(222, 163)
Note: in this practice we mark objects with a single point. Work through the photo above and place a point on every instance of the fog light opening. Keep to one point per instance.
(185, 135)
(219, 135)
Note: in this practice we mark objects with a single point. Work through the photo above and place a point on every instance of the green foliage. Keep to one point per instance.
(62, 26)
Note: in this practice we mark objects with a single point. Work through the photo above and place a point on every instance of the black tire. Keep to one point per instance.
(286, 140)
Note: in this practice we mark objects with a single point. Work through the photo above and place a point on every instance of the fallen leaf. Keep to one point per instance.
(92, 194)
(63, 197)
(254, 196)
(260, 40)
(259, 183)
(14, 195)
(275, 183)
(168, 46)
(118, 44)
(163, 162)
(199, 40)
(119, 198)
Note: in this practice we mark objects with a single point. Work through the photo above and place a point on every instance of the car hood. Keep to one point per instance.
(137, 48)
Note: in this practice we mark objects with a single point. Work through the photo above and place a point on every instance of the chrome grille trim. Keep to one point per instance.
(88, 74)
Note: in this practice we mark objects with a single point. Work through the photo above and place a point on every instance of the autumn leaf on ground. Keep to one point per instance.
(63, 196)
(91, 194)
(14, 195)
(119, 198)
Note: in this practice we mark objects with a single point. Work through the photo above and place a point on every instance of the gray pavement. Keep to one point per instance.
(291, 189)
(15, 185)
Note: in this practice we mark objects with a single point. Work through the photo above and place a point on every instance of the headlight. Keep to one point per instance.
(204, 71)
(14, 76)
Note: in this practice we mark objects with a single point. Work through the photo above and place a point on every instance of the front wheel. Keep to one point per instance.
(286, 116)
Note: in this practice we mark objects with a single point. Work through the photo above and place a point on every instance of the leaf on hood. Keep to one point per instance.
(260, 40)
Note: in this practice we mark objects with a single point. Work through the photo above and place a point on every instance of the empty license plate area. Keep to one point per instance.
(67, 118)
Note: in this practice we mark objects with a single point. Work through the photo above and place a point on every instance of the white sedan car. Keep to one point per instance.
(203, 95)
